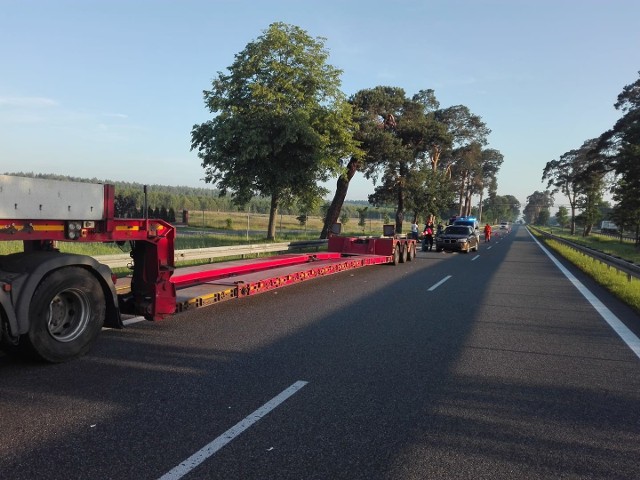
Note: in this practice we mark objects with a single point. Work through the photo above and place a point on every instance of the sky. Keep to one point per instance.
(111, 89)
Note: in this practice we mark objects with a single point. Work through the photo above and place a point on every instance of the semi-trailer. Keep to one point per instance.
(53, 305)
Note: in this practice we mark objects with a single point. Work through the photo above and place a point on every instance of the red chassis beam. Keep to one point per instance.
(152, 294)
(188, 276)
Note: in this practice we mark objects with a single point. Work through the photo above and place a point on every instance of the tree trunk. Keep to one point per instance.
(400, 211)
(273, 212)
(461, 195)
(435, 157)
(467, 204)
(342, 186)
(587, 229)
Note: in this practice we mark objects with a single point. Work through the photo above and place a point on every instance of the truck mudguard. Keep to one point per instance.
(26, 270)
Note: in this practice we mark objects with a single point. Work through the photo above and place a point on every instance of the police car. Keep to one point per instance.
(469, 222)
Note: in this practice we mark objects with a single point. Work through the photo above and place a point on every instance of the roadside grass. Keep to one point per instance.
(239, 221)
(626, 288)
(92, 249)
(602, 243)
(287, 226)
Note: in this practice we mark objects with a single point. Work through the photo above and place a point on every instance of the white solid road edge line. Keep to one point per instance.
(433, 287)
(614, 322)
(201, 455)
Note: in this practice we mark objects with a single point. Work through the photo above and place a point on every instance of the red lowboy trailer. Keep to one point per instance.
(53, 305)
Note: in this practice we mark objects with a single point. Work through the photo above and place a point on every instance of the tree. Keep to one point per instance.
(428, 192)
(537, 203)
(591, 201)
(543, 218)
(464, 128)
(281, 125)
(440, 139)
(339, 196)
(463, 161)
(302, 219)
(373, 111)
(627, 218)
(562, 216)
(501, 208)
(362, 216)
(125, 206)
(379, 112)
(574, 175)
(466, 171)
(376, 111)
(620, 147)
(491, 161)
(398, 151)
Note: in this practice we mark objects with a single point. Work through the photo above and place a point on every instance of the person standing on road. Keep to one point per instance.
(487, 233)
(427, 241)
(414, 229)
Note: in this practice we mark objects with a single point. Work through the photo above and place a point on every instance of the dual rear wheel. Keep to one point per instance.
(66, 315)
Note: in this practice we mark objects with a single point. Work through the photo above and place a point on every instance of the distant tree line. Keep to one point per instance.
(498, 208)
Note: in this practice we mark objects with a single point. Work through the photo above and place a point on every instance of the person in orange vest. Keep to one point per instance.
(487, 233)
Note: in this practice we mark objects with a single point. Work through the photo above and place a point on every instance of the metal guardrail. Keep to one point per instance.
(124, 260)
(625, 238)
(621, 264)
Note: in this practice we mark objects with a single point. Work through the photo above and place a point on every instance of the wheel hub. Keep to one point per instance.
(68, 315)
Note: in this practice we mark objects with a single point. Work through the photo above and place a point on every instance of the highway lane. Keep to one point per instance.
(504, 370)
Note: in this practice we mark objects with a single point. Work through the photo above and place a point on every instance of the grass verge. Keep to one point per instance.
(602, 243)
(626, 288)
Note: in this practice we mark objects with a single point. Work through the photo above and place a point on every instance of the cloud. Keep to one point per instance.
(27, 102)
(116, 115)
(49, 113)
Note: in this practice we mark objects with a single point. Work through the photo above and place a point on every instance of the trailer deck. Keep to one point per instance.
(203, 285)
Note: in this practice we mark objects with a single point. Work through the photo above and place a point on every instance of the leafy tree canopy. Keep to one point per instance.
(281, 124)
(536, 210)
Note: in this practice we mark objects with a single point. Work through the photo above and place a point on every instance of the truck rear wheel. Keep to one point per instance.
(403, 252)
(411, 253)
(396, 255)
(67, 313)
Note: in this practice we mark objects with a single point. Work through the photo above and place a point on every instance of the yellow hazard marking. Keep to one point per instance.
(34, 228)
(48, 228)
(206, 299)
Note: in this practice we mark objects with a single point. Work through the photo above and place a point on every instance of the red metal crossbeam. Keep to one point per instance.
(185, 277)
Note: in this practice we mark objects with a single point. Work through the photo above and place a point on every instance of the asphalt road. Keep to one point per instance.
(453, 366)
